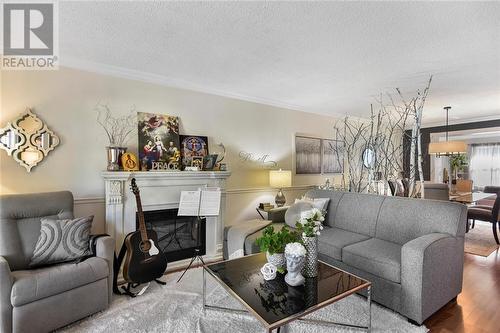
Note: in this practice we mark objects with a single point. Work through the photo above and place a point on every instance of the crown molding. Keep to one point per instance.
(136, 75)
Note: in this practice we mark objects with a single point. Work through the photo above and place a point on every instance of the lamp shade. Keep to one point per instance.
(280, 178)
(447, 147)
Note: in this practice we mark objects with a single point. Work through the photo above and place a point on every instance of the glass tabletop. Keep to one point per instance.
(472, 197)
(275, 302)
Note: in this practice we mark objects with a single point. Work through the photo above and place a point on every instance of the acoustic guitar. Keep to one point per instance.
(144, 261)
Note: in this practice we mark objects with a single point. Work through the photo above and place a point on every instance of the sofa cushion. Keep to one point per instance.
(332, 240)
(331, 210)
(402, 219)
(358, 212)
(35, 284)
(375, 256)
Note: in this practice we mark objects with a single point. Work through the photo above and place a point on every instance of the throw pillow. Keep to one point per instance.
(62, 240)
(292, 214)
(320, 203)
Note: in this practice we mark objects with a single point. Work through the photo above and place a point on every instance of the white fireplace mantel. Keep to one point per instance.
(160, 190)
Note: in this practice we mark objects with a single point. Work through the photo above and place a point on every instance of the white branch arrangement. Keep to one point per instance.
(118, 129)
(385, 134)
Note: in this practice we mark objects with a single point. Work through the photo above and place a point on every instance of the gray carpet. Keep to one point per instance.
(178, 308)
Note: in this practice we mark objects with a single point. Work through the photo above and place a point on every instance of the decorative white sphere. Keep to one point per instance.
(269, 271)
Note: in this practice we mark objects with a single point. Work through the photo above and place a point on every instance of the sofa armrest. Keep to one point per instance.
(5, 291)
(431, 274)
(278, 214)
(105, 248)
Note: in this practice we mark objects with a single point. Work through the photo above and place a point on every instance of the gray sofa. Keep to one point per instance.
(43, 299)
(412, 250)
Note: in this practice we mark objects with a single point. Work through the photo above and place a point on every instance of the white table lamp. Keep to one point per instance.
(279, 179)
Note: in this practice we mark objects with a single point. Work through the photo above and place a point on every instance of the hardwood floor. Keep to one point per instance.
(477, 309)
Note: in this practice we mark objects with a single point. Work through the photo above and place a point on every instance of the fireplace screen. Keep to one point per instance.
(178, 236)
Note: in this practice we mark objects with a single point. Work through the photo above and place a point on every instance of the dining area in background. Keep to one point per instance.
(482, 206)
(484, 212)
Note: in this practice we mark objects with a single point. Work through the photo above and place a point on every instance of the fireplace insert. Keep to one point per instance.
(178, 236)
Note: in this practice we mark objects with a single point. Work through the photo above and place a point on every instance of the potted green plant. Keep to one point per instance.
(273, 243)
(458, 163)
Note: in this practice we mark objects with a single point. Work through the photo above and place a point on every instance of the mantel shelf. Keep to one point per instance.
(124, 175)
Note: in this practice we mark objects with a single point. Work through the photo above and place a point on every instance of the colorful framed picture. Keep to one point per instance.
(209, 162)
(158, 139)
(197, 161)
(192, 146)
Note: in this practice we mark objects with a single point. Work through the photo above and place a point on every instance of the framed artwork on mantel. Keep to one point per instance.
(192, 146)
(158, 139)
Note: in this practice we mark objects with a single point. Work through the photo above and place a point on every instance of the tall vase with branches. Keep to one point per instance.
(118, 130)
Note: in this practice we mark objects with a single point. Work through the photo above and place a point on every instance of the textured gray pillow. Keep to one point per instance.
(292, 214)
(62, 240)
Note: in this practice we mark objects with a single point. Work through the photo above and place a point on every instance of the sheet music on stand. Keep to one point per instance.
(202, 202)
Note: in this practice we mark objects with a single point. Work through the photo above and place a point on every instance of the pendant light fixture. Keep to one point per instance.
(447, 148)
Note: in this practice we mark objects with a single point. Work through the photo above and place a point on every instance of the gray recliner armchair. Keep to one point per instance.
(43, 299)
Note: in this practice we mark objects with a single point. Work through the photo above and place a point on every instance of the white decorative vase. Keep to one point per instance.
(277, 259)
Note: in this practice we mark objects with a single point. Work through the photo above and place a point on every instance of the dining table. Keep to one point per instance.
(470, 198)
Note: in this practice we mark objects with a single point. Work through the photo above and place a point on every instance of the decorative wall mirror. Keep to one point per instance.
(27, 139)
(369, 158)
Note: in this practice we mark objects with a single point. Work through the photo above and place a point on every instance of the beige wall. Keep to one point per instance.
(65, 100)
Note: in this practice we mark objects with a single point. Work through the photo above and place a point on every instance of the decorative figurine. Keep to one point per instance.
(295, 254)
(129, 162)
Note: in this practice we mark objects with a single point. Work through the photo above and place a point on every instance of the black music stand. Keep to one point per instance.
(196, 255)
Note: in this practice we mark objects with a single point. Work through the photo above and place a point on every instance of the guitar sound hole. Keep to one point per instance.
(145, 246)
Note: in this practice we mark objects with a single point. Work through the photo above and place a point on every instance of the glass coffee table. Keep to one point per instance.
(275, 303)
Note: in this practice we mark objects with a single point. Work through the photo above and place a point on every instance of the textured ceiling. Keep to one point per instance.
(322, 57)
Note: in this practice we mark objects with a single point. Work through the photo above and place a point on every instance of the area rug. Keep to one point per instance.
(177, 307)
(480, 240)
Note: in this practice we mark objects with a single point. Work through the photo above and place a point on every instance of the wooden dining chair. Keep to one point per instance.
(464, 185)
(487, 214)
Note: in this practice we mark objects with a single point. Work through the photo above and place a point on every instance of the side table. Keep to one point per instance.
(272, 213)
